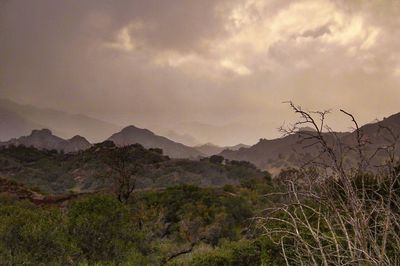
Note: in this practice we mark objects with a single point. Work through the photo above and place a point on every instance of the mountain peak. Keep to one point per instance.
(132, 135)
(76, 143)
(77, 138)
(130, 127)
(134, 129)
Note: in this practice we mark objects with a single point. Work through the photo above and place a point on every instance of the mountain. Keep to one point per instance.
(18, 120)
(44, 139)
(295, 150)
(212, 149)
(377, 132)
(272, 155)
(132, 135)
(76, 143)
(379, 135)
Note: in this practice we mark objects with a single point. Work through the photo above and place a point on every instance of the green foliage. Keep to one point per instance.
(33, 236)
(101, 227)
(99, 230)
(211, 259)
(151, 227)
(241, 253)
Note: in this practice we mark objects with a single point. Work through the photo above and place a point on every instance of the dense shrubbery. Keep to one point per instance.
(188, 225)
(101, 229)
(152, 228)
(33, 236)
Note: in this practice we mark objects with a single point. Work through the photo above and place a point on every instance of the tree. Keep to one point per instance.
(217, 159)
(124, 164)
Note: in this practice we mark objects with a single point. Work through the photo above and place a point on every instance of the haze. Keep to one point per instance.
(189, 65)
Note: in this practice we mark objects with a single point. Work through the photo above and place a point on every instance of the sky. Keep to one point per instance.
(188, 66)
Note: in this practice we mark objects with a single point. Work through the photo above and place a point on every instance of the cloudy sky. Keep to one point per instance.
(180, 64)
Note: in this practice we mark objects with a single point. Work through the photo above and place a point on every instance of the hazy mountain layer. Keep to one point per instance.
(13, 125)
(18, 120)
(212, 149)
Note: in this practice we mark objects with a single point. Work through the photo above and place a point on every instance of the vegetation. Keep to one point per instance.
(339, 214)
(106, 167)
(133, 206)
(152, 228)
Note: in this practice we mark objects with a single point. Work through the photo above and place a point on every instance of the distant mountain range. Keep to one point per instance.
(19, 120)
(272, 155)
(44, 139)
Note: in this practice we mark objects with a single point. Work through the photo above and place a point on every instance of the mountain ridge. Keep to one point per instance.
(293, 150)
(45, 140)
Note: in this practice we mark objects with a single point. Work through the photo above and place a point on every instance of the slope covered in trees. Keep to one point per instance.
(89, 170)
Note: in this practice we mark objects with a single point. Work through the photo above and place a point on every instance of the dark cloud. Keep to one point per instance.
(164, 63)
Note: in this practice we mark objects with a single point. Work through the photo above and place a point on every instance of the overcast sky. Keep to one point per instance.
(161, 64)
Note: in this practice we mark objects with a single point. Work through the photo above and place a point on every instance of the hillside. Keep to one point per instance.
(273, 155)
(132, 135)
(295, 150)
(85, 171)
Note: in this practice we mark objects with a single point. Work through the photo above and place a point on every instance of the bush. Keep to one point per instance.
(101, 227)
(211, 259)
(31, 236)
(241, 253)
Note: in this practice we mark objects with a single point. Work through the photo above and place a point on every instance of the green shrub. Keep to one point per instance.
(101, 227)
(31, 235)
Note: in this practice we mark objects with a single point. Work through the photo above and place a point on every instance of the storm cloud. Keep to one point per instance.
(177, 64)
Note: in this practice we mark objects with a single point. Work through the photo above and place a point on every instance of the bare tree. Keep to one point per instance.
(347, 214)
